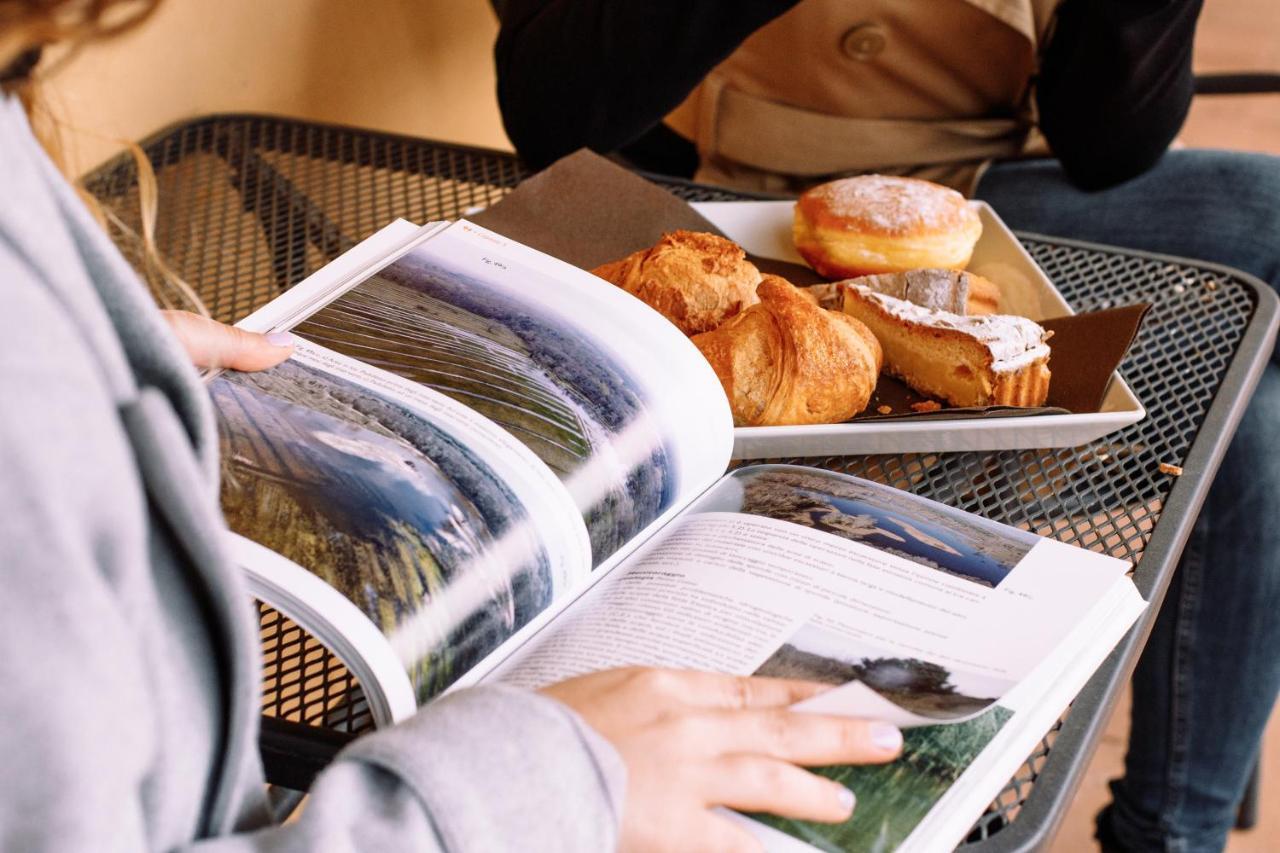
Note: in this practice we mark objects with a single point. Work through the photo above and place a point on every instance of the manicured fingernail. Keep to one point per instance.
(281, 339)
(887, 737)
(847, 800)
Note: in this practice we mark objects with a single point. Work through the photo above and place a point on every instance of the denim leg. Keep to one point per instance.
(1210, 673)
(1219, 206)
(1207, 680)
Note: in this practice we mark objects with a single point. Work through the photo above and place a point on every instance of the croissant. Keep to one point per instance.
(695, 280)
(787, 361)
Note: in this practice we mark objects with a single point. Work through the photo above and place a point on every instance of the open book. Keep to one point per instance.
(483, 464)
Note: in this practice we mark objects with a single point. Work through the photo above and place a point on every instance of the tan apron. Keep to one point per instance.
(929, 88)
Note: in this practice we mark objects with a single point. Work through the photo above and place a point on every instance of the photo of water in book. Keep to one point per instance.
(537, 374)
(927, 533)
(382, 505)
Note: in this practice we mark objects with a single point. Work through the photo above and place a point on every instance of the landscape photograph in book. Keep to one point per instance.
(382, 505)
(929, 534)
(538, 375)
(922, 687)
(894, 798)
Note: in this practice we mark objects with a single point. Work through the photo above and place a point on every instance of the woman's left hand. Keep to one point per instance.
(211, 344)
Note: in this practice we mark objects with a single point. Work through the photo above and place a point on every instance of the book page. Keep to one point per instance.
(600, 387)
(916, 613)
(444, 531)
(620, 416)
(799, 572)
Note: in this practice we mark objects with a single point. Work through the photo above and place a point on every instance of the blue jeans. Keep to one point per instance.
(1210, 673)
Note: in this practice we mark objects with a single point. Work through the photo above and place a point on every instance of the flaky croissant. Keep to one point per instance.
(787, 361)
(695, 280)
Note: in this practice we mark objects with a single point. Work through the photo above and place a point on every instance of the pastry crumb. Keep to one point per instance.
(926, 406)
(885, 410)
(1211, 285)
(1166, 468)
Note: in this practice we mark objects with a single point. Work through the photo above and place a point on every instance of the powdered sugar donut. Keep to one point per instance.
(880, 224)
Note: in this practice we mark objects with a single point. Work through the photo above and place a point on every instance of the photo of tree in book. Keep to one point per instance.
(378, 502)
(927, 533)
(923, 687)
(538, 375)
(894, 798)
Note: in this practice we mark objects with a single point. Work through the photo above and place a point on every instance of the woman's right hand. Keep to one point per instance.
(693, 741)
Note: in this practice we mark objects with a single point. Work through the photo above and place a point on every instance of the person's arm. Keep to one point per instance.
(632, 758)
(1115, 85)
(483, 769)
(95, 687)
(599, 73)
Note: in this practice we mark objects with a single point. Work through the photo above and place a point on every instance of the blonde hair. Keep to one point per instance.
(29, 26)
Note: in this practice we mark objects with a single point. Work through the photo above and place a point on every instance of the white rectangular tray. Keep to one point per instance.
(764, 228)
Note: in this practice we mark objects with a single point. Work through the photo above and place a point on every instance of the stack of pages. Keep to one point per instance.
(484, 464)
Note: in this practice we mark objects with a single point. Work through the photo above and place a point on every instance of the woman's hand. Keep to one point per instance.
(692, 741)
(211, 344)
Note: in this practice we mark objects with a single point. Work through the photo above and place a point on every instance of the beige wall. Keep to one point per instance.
(422, 67)
(1237, 35)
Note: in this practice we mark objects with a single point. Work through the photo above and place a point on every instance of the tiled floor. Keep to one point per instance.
(1235, 35)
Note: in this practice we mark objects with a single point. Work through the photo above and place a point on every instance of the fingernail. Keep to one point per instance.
(281, 339)
(887, 737)
(847, 799)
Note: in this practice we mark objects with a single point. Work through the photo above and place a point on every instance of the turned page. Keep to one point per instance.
(796, 572)
(599, 386)
(437, 369)
(934, 619)
(397, 498)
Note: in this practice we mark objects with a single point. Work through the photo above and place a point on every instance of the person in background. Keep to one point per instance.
(130, 657)
(1059, 115)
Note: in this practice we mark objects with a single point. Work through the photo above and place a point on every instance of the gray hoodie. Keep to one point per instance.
(129, 666)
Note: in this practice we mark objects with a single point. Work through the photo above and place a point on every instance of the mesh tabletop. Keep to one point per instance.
(250, 205)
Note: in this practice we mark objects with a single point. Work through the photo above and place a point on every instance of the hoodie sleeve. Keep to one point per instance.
(599, 73)
(491, 768)
(1115, 85)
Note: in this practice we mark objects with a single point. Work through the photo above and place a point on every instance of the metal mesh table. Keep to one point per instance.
(250, 205)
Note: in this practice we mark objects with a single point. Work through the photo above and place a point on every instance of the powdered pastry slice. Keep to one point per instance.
(937, 289)
(991, 360)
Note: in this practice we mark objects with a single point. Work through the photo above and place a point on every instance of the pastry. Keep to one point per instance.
(878, 224)
(991, 360)
(937, 289)
(695, 280)
(787, 361)
(824, 295)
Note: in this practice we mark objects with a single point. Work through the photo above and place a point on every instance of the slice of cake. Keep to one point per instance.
(989, 360)
(956, 291)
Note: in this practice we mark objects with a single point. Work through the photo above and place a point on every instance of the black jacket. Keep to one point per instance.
(1114, 86)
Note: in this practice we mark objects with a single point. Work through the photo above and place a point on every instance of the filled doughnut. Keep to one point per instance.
(880, 224)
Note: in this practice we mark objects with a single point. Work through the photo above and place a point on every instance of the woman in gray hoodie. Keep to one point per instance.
(130, 704)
